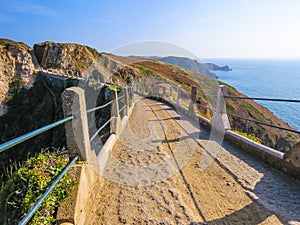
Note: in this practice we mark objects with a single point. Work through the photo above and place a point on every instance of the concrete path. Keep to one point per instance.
(159, 172)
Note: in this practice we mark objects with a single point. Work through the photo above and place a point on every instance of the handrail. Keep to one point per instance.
(99, 107)
(26, 219)
(97, 132)
(31, 134)
(262, 99)
(120, 97)
(122, 108)
(262, 123)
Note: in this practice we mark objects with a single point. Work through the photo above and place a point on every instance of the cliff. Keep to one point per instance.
(16, 69)
(66, 58)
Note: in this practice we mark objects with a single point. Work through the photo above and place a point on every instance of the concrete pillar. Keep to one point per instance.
(77, 133)
(131, 94)
(171, 94)
(126, 110)
(115, 124)
(221, 107)
(178, 101)
(164, 92)
(191, 110)
(293, 156)
(157, 94)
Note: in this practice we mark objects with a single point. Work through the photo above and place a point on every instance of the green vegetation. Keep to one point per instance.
(145, 70)
(115, 87)
(15, 87)
(7, 42)
(29, 183)
(249, 136)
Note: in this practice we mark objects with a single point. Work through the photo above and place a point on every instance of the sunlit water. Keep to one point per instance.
(268, 79)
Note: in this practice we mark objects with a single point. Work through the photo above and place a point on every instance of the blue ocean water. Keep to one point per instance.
(267, 79)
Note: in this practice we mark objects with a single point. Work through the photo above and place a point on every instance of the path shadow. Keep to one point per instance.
(275, 191)
(243, 216)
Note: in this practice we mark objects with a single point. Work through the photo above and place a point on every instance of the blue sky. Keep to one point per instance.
(208, 28)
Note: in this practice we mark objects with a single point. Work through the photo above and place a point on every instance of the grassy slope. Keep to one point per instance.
(272, 137)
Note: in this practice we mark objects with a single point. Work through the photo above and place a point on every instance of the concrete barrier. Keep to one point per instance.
(90, 171)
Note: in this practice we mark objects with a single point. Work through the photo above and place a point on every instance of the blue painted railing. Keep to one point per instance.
(16, 141)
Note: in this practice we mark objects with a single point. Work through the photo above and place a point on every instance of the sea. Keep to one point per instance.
(266, 78)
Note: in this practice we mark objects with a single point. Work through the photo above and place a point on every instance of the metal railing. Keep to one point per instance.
(16, 141)
(262, 99)
(122, 108)
(99, 107)
(101, 128)
(26, 219)
(32, 134)
(23, 138)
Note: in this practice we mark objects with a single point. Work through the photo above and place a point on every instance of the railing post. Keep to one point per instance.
(132, 96)
(126, 102)
(171, 94)
(77, 133)
(191, 110)
(221, 108)
(164, 92)
(115, 125)
(178, 101)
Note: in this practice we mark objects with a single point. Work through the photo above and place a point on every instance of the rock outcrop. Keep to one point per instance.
(70, 59)
(213, 67)
(16, 69)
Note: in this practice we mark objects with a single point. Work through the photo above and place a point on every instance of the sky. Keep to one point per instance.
(207, 28)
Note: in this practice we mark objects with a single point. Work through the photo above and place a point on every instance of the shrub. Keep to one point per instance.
(249, 136)
(28, 184)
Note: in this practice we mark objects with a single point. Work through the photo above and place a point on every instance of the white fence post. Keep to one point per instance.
(221, 109)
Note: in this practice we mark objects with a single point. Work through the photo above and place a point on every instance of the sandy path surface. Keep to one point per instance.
(156, 176)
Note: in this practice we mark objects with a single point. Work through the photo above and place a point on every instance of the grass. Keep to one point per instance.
(249, 136)
(28, 184)
(7, 42)
(15, 87)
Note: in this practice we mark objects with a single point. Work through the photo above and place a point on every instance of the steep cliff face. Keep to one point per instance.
(71, 59)
(16, 69)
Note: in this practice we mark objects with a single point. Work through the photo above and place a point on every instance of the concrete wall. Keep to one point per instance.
(89, 172)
